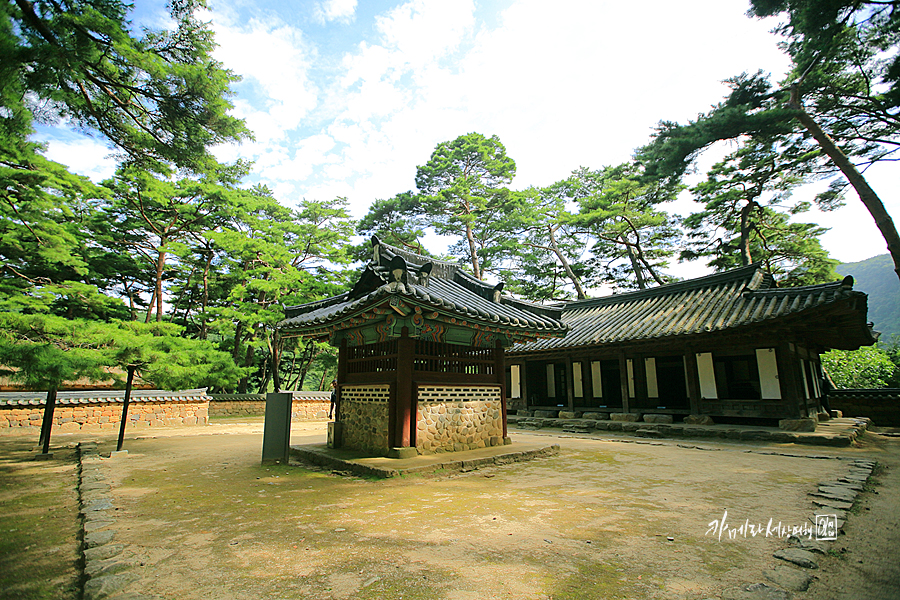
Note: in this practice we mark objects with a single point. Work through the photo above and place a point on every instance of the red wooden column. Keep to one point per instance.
(500, 372)
(403, 407)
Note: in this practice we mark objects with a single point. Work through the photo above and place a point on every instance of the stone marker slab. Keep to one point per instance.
(805, 543)
(107, 585)
(546, 414)
(658, 419)
(829, 503)
(699, 420)
(92, 526)
(798, 556)
(757, 591)
(797, 424)
(98, 538)
(853, 485)
(567, 414)
(626, 417)
(599, 416)
(96, 568)
(103, 552)
(98, 504)
(836, 493)
(789, 578)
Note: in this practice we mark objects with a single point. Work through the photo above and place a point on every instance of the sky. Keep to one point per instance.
(347, 98)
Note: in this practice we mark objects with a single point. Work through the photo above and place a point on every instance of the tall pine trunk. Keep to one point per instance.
(866, 194)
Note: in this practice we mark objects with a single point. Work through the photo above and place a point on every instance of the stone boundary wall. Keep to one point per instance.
(452, 418)
(103, 416)
(881, 406)
(307, 406)
(365, 417)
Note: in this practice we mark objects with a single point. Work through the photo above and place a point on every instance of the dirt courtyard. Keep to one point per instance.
(199, 517)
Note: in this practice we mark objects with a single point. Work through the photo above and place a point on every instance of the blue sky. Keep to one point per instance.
(347, 98)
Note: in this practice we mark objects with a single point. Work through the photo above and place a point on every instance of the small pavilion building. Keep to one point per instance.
(421, 354)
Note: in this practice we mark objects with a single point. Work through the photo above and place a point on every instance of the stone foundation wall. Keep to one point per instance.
(455, 418)
(103, 416)
(365, 417)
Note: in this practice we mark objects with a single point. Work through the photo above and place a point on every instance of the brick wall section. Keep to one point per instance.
(103, 416)
(456, 418)
(364, 414)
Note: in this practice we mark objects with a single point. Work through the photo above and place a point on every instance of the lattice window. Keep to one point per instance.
(372, 358)
(440, 357)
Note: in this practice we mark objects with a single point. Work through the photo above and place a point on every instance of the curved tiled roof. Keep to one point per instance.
(439, 295)
(709, 304)
(447, 289)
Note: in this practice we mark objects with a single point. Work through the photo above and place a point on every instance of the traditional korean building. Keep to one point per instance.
(421, 354)
(725, 345)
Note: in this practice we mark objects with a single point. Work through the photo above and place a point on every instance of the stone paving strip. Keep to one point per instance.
(106, 575)
(834, 499)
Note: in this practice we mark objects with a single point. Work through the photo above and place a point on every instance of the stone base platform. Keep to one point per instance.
(834, 432)
(340, 459)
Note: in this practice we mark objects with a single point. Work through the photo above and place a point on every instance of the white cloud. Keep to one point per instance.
(85, 156)
(423, 31)
(276, 59)
(335, 10)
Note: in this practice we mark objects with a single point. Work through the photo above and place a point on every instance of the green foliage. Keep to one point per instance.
(618, 210)
(170, 361)
(461, 189)
(160, 99)
(43, 351)
(868, 367)
(398, 221)
(546, 250)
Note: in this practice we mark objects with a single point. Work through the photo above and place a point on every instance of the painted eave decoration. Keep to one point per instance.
(434, 300)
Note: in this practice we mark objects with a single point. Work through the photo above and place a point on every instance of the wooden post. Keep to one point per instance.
(406, 348)
(789, 374)
(47, 424)
(693, 380)
(570, 384)
(623, 380)
(500, 371)
(124, 420)
(523, 385)
(341, 377)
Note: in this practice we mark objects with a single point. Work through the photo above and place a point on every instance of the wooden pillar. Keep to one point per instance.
(693, 379)
(570, 384)
(404, 397)
(523, 386)
(623, 369)
(500, 372)
(789, 373)
(341, 377)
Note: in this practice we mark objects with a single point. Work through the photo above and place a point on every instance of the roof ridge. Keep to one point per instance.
(713, 280)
